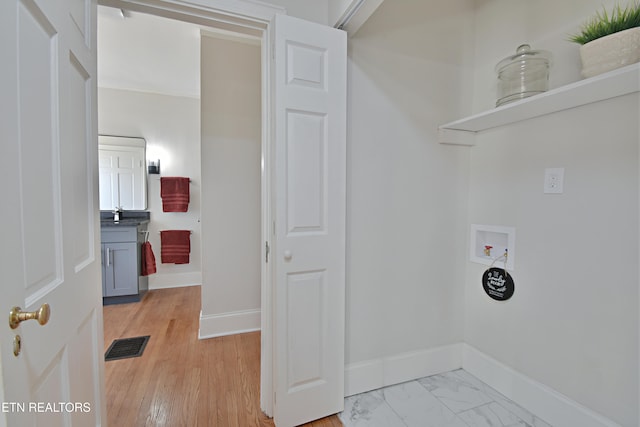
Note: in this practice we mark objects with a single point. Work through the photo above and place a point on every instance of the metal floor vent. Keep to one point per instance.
(127, 347)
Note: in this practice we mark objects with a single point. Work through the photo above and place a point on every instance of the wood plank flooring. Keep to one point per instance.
(181, 380)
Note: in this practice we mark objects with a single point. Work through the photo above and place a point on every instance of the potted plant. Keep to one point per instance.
(610, 40)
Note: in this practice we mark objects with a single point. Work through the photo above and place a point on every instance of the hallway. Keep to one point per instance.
(180, 380)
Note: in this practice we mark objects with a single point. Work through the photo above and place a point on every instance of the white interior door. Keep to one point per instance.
(309, 251)
(49, 218)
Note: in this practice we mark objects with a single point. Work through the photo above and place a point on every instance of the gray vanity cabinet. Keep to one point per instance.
(121, 279)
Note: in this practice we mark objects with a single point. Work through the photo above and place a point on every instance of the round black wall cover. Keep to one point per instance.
(498, 284)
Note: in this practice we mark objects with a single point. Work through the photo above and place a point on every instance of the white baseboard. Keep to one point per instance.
(177, 280)
(546, 403)
(377, 373)
(235, 322)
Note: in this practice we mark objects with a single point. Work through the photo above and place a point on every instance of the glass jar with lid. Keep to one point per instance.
(522, 75)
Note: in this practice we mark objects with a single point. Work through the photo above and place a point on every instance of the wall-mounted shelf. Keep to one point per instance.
(615, 83)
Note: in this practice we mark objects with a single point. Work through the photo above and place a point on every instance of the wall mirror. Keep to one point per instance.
(123, 178)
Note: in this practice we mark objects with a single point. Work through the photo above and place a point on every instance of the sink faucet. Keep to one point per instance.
(116, 213)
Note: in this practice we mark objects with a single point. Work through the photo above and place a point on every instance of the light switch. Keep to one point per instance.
(554, 180)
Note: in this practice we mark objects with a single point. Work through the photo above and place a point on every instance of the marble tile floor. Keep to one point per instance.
(452, 399)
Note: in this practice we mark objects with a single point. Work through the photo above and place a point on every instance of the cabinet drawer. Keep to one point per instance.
(119, 234)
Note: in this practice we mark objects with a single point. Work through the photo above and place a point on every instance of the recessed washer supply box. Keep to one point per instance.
(499, 238)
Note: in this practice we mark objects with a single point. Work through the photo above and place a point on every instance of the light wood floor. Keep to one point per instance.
(181, 380)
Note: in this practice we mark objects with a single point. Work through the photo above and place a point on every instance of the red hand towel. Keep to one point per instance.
(148, 259)
(175, 194)
(176, 246)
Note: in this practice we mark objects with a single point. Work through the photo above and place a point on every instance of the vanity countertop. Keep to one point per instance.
(127, 219)
(126, 222)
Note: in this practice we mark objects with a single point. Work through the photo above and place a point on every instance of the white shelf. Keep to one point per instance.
(615, 83)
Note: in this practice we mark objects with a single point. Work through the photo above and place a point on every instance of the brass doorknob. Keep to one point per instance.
(16, 315)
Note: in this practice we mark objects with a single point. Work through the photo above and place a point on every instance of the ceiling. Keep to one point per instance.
(148, 53)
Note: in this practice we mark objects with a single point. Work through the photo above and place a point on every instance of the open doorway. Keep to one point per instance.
(221, 153)
(303, 208)
(149, 88)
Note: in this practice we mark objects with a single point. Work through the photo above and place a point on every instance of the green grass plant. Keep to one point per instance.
(605, 23)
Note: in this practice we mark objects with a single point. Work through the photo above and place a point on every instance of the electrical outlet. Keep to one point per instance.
(554, 180)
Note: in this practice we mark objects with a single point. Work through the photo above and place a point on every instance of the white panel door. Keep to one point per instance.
(49, 218)
(309, 256)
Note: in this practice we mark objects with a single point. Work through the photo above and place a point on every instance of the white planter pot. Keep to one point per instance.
(610, 52)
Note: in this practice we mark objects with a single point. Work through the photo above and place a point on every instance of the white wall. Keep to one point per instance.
(148, 53)
(502, 25)
(572, 324)
(171, 127)
(311, 10)
(231, 171)
(350, 15)
(407, 194)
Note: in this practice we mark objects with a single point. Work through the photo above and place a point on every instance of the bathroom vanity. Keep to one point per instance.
(121, 243)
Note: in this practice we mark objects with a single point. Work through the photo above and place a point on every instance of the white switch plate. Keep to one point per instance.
(554, 180)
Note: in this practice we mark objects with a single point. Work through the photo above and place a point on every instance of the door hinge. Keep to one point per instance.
(266, 251)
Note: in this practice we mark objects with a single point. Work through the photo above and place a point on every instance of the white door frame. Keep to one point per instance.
(252, 18)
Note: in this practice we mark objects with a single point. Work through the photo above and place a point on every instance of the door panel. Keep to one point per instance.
(85, 357)
(306, 65)
(38, 85)
(307, 172)
(78, 150)
(307, 334)
(49, 389)
(309, 252)
(50, 246)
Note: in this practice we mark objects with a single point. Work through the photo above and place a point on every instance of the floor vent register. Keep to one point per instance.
(126, 347)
